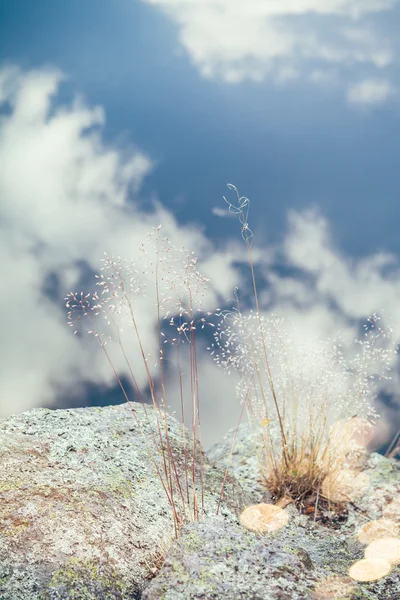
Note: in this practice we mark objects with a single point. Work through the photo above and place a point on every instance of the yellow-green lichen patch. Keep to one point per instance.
(117, 484)
(193, 542)
(10, 486)
(82, 579)
(178, 568)
(206, 578)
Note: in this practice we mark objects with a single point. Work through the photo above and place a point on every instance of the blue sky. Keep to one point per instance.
(297, 103)
(283, 145)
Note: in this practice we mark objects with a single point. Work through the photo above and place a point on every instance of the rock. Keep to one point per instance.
(242, 463)
(218, 559)
(83, 514)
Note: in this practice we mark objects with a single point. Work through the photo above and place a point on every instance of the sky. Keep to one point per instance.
(116, 117)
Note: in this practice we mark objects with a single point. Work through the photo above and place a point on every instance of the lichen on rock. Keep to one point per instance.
(84, 516)
(301, 561)
(82, 511)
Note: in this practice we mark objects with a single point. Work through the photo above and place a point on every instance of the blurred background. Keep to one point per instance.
(117, 116)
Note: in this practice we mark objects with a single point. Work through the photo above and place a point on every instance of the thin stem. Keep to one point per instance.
(270, 381)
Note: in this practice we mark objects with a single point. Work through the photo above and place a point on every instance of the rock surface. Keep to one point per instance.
(219, 559)
(83, 514)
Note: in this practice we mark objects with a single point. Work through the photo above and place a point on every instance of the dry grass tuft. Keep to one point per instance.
(310, 406)
(167, 278)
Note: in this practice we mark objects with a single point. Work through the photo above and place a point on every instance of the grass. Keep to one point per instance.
(308, 405)
(170, 278)
(394, 447)
(295, 394)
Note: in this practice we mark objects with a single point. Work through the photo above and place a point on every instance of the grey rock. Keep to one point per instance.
(242, 462)
(83, 514)
(218, 559)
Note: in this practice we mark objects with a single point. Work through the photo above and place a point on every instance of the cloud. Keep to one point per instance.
(282, 39)
(221, 212)
(370, 92)
(320, 291)
(357, 287)
(67, 197)
(331, 292)
(334, 290)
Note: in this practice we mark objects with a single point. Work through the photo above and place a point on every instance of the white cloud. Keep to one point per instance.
(332, 292)
(65, 198)
(283, 39)
(329, 293)
(370, 92)
(324, 77)
(223, 213)
(358, 288)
